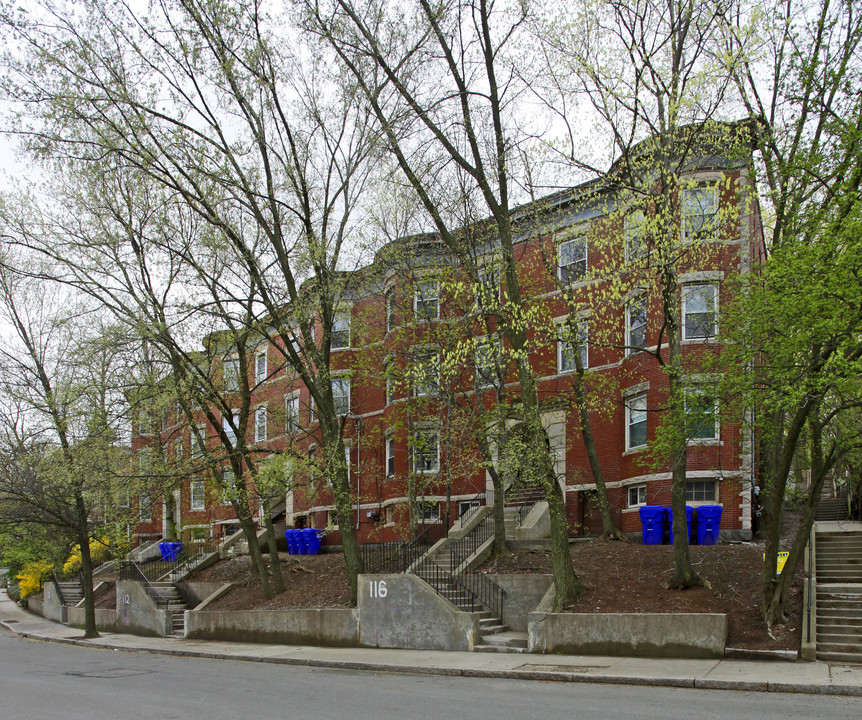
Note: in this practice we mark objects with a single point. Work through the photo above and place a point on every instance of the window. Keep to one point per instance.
(145, 423)
(231, 375)
(145, 461)
(428, 511)
(260, 371)
(178, 450)
(390, 312)
(700, 491)
(340, 337)
(487, 360)
(426, 451)
(145, 508)
(636, 245)
(466, 506)
(636, 409)
(637, 496)
(390, 456)
(197, 494)
(636, 322)
(573, 260)
(179, 412)
(700, 416)
(389, 371)
(260, 424)
(124, 499)
(488, 290)
(341, 395)
(291, 413)
(698, 311)
(426, 372)
(197, 449)
(332, 519)
(228, 483)
(699, 213)
(229, 426)
(426, 300)
(312, 467)
(566, 349)
(311, 409)
(389, 512)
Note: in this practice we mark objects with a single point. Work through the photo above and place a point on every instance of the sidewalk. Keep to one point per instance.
(763, 676)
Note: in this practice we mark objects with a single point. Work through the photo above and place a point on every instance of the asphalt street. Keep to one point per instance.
(49, 680)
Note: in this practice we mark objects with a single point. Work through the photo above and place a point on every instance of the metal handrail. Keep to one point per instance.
(479, 591)
(478, 584)
(130, 570)
(525, 510)
(57, 587)
(460, 550)
(397, 556)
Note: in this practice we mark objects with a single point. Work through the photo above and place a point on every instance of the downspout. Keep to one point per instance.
(358, 468)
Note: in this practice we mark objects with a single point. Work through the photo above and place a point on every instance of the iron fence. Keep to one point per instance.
(153, 570)
(396, 557)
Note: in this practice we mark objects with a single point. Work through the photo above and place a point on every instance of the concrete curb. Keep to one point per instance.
(521, 673)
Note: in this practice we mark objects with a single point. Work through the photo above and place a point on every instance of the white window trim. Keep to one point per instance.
(389, 310)
(260, 412)
(431, 353)
(717, 491)
(713, 233)
(704, 441)
(635, 219)
(341, 379)
(630, 350)
(494, 347)
(226, 425)
(715, 297)
(436, 469)
(389, 448)
(629, 401)
(417, 300)
(569, 239)
(485, 272)
(260, 377)
(149, 505)
(232, 375)
(638, 504)
(340, 314)
(562, 344)
(291, 420)
(202, 505)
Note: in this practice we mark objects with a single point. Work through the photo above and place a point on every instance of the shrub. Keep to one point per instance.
(99, 552)
(31, 578)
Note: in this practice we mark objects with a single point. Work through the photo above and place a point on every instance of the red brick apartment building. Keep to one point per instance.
(409, 329)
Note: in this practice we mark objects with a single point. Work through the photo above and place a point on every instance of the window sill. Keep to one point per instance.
(636, 450)
(705, 442)
(633, 509)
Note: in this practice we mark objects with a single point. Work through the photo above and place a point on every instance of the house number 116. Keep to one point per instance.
(378, 589)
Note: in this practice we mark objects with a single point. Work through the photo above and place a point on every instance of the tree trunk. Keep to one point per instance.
(684, 575)
(499, 512)
(86, 569)
(249, 530)
(567, 585)
(609, 527)
(274, 564)
(342, 494)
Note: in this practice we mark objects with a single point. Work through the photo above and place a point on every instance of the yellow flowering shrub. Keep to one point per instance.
(99, 552)
(30, 579)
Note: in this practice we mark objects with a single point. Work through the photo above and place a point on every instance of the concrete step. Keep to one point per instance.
(851, 630)
(830, 638)
(840, 657)
(845, 616)
(504, 642)
(843, 648)
(498, 649)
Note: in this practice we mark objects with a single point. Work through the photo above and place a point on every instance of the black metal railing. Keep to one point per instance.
(460, 550)
(57, 588)
(472, 592)
(153, 570)
(396, 557)
(477, 502)
(131, 570)
(525, 510)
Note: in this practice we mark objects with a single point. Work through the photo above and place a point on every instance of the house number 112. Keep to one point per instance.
(378, 589)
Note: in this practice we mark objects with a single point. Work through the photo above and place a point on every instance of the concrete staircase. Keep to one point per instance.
(831, 510)
(167, 597)
(838, 570)
(71, 591)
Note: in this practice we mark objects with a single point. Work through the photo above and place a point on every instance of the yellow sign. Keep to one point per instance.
(782, 558)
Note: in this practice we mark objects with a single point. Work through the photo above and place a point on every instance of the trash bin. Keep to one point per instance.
(299, 542)
(688, 512)
(290, 536)
(708, 524)
(312, 539)
(653, 518)
(170, 551)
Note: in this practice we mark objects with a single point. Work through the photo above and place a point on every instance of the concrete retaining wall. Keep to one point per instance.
(402, 611)
(106, 619)
(523, 595)
(689, 635)
(194, 593)
(51, 607)
(332, 627)
(137, 613)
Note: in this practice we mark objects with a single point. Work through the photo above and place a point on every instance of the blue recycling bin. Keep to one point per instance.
(708, 524)
(290, 536)
(688, 512)
(653, 519)
(299, 542)
(312, 539)
(170, 551)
